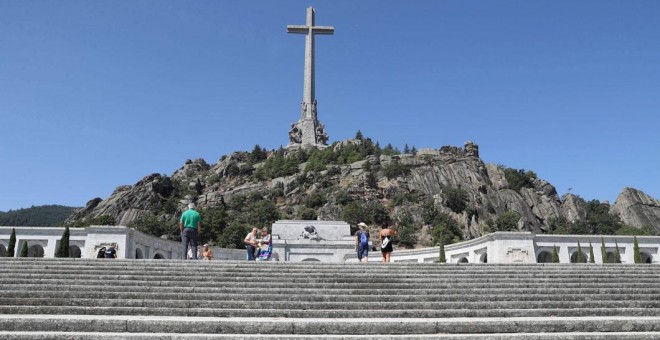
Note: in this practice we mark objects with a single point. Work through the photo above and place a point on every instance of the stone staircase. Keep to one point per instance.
(167, 299)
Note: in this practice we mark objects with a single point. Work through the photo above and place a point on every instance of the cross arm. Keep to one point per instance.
(323, 29)
(300, 29)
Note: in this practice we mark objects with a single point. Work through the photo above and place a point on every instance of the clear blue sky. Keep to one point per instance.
(97, 94)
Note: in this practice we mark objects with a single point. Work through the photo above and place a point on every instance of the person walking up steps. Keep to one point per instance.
(190, 226)
(362, 243)
(386, 234)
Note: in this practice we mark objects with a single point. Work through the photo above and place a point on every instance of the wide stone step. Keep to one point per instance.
(193, 294)
(362, 290)
(400, 285)
(183, 336)
(324, 326)
(246, 302)
(325, 277)
(326, 313)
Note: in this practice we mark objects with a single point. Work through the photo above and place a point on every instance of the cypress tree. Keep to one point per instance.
(592, 258)
(555, 254)
(442, 252)
(580, 255)
(11, 247)
(617, 254)
(603, 252)
(638, 256)
(24, 249)
(63, 249)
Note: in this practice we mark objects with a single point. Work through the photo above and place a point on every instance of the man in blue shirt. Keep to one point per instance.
(190, 227)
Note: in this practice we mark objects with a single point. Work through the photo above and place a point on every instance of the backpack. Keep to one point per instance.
(364, 239)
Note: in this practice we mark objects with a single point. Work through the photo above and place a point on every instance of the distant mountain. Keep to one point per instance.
(41, 216)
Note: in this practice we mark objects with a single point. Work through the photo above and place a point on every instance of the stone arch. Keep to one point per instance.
(3, 250)
(483, 258)
(463, 260)
(575, 254)
(544, 257)
(138, 253)
(75, 252)
(158, 256)
(35, 250)
(646, 257)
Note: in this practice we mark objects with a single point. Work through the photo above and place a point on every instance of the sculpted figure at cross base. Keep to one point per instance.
(295, 135)
(321, 135)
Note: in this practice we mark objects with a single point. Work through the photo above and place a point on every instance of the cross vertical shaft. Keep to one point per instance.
(308, 131)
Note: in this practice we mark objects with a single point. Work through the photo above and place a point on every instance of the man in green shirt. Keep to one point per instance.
(190, 227)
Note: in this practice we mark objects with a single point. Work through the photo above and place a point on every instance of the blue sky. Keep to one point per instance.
(97, 94)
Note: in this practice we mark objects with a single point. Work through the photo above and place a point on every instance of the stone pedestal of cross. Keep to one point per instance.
(308, 131)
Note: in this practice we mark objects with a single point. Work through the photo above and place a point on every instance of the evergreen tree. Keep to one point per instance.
(442, 258)
(580, 255)
(555, 254)
(636, 253)
(63, 249)
(592, 258)
(358, 135)
(603, 252)
(617, 254)
(24, 249)
(406, 149)
(12, 244)
(413, 151)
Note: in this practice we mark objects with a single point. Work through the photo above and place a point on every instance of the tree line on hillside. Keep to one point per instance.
(36, 216)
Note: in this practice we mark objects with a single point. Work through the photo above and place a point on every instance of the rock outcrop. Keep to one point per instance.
(637, 209)
(432, 174)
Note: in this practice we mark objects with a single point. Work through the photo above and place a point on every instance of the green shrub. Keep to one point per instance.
(24, 249)
(406, 230)
(315, 200)
(395, 169)
(507, 221)
(442, 258)
(617, 253)
(555, 254)
(456, 199)
(592, 258)
(637, 255)
(63, 248)
(445, 230)
(519, 179)
(307, 214)
(11, 246)
(603, 251)
(580, 255)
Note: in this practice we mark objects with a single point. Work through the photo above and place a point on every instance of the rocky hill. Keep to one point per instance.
(447, 193)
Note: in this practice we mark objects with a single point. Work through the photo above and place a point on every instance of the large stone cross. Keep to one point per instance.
(311, 131)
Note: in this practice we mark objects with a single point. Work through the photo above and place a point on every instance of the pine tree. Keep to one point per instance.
(617, 254)
(592, 258)
(580, 255)
(406, 149)
(413, 151)
(636, 253)
(63, 249)
(24, 249)
(555, 254)
(358, 135)
(11, 247)
(603, 252)
(442, 259)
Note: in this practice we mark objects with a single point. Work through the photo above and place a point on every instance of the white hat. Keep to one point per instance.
(361, 224)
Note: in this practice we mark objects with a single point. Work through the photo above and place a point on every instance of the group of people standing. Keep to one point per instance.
(385, 235)
(258, 248)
